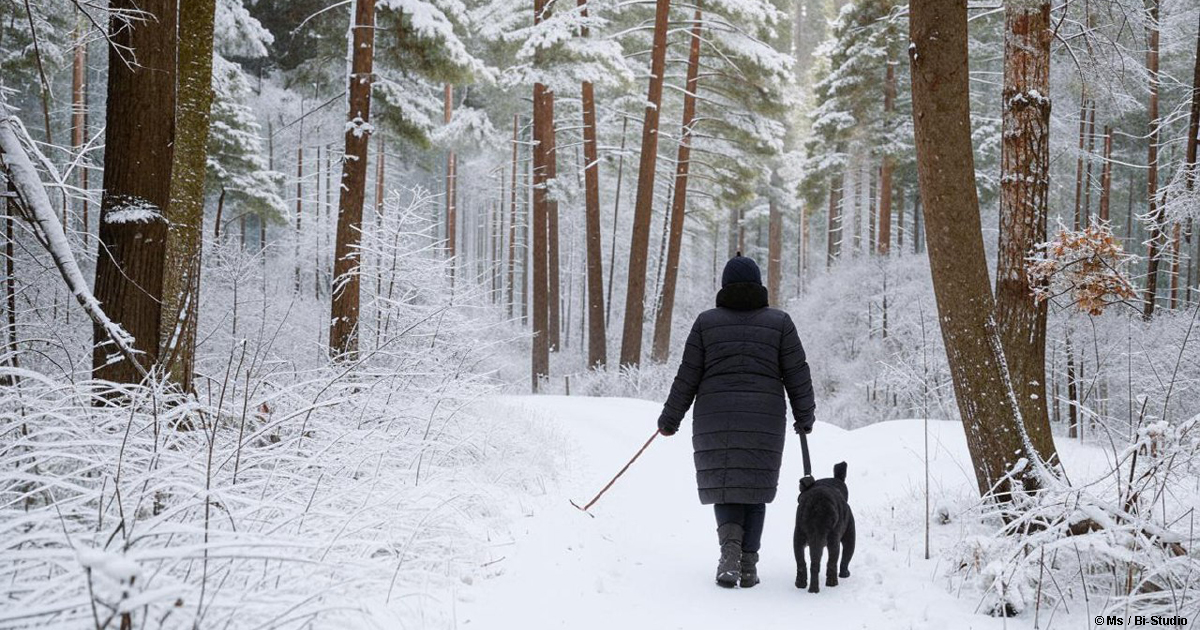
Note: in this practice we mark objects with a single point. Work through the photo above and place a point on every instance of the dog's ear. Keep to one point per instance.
(839, 471)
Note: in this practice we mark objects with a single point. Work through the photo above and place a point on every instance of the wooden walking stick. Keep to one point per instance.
(584, 509)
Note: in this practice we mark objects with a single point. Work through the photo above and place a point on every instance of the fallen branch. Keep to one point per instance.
(34, 206)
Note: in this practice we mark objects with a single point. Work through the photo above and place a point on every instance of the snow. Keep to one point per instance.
(647, 558)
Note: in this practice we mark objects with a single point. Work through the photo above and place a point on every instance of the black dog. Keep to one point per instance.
(824, 520)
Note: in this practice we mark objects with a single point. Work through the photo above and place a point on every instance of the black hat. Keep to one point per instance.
(741, 269)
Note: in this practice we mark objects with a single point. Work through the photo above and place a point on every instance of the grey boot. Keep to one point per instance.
(749, 569)
(729, 567)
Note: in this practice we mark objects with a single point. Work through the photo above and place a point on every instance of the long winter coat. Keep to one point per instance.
(740, 359)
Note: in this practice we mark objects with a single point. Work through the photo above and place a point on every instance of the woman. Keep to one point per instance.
(740, 359)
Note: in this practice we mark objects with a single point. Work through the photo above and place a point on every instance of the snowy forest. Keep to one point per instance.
(335, 313)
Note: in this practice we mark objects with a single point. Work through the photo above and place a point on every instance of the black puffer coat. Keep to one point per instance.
(740, 359)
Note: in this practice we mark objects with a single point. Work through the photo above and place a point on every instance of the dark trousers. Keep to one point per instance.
(749, 515)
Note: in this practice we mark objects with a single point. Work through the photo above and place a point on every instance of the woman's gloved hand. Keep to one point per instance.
(665, 428)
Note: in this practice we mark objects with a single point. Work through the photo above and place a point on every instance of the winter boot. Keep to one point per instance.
(749, 569)
(729, 567)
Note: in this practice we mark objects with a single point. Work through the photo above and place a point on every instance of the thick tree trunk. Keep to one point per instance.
(139, 141)
(662, 325)
(597, 350)
(1024, 189)
(1156, 211)
(185, 212)
(543, 161)
(347, 294)
(946, 171)
(885, 169)
(542, 127)
(639, 244)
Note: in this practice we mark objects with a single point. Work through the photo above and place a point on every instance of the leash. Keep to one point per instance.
(807, 480)
(585, 508)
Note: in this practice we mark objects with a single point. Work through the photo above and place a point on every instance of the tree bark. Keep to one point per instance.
(1024, 189)
(1155, 210)
(885, 169)
(661, 349)
(346, 294)
(774, 241)
(946, 172)
(543, 158)
(139, 142)
(185, 212)
(639, 244)
(597, 350)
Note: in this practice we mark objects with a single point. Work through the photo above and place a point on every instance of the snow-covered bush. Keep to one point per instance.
(1120, 544)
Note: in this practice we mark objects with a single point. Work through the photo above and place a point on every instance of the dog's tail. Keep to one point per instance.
(839, 471)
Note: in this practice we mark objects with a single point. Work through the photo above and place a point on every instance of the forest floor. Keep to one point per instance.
(647, 559)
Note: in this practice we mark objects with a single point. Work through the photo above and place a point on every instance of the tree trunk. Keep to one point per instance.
(597, 350)
(1087, 180)
(543, 158)
(612, 254)
(139, 141)
(1156, 210)
(1193, 132)
(300, 204)
(1077, 222)
(1106, 177)
(946, 171)
(1024, 189)
(550, 165)
(10, 282)
(185, 212)
(834, 227)
(512, 224)
(885, 169)
(662, 325)
(79, 115)
(346, 294)
(451, 187)
(639, 244)
(774, 241)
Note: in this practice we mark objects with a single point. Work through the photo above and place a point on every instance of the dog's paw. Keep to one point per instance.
(831, 580)
(814, 587)
(801, 581)
(845, 573)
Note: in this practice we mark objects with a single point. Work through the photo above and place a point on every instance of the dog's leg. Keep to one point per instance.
(814, 570)
(831, 578)
(847, 547)
(798, 545)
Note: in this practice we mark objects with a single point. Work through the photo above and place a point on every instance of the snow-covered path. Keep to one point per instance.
(647, 558)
